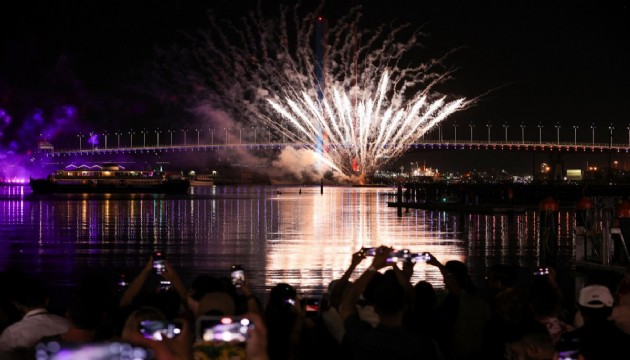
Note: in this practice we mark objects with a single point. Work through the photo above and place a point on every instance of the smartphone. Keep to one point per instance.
(311, 305)
(165, 285)
(541, 271)
(223, 328)
(568, 355)
(95, 351)
(122, 283)
(159, 262)
(159, 330)
(238, 275)
(368, 251)
(421, 257)
(568, 348)
(399, 255)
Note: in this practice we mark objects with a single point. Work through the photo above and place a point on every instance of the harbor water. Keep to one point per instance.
(297, 235)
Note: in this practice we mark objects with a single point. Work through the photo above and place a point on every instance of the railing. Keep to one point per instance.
(417, 145)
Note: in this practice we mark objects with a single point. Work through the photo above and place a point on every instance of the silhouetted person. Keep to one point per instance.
(284, 318)
(85, 315)
(598, 338)
(421, 318)
(531, 342)
(31, 298)
(389, 339)
(509, 304)
(462, 315)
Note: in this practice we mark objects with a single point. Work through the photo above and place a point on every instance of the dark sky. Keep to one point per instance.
(550, 62)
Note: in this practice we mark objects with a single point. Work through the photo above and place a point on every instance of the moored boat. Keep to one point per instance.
(109, 178)
(201, 180)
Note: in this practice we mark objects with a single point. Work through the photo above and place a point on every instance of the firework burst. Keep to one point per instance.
(355, 98)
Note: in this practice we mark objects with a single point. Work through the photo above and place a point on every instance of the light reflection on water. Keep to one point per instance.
(277, 234)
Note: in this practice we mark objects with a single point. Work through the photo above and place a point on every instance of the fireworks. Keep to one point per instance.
(355, 98)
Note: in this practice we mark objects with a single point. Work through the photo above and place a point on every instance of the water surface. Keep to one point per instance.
(277, 233)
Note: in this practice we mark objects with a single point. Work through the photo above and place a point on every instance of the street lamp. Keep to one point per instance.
(144, 137)
(226, 135)
(211, 136)
(80, 136)
(455, 127)
(575, 127)
(439, 133)
(471, 132)
(557, 133)
(610, 152)
(489, 127)
(131, 138)
(611, 128)
(540, 133)
(593, 133)
(197, 130)
(157, 137)
(255, 135)
(118, 133)
(105, 136)
(523, 133)
(184, 131)
(92, 140)
(505, 126)
(171, 134)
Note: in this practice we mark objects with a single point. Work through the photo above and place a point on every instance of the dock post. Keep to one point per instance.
(620, 247)
(583, 224)
(399, 194)
(549, 223)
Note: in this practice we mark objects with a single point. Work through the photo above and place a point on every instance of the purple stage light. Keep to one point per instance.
(93, 139)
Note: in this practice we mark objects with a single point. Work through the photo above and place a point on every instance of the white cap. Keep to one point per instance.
(595, 296)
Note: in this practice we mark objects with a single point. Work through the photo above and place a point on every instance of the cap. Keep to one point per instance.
(595, 296)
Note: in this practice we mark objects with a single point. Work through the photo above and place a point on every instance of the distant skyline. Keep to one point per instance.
(551, 63)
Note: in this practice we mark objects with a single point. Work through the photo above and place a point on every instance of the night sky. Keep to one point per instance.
(546, 62)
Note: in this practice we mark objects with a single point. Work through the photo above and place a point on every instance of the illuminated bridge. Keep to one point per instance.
(47, 150)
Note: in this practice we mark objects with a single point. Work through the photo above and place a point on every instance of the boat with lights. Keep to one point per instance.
(110, 178)
(201, 180)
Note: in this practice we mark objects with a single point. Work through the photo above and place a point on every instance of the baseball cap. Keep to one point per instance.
(595, 296)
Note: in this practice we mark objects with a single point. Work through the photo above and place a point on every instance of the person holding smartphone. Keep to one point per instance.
(285, 320)
(462, 316)
(176, 346)
(224, 336)
(246, 301)
(165, 273)
(389, 339)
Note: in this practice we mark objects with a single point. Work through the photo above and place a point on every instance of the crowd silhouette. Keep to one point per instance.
(377, 313)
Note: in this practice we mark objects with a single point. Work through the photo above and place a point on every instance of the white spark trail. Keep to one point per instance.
(375, 98)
